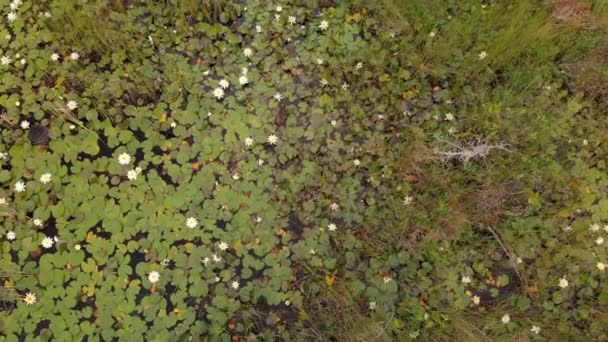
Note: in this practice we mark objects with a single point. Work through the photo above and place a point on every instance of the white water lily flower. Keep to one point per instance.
(248, 141)
(324, 25)
(45, 178)
(132, 175)
(55, 57)
(224, 84)
(153, 277)
(247, 52)
(10, 236)
(20, 186)
(37, 222)
(272, 139)
(25, 124)
(599, 241)
(47, 242)
(505, 319)
(334, 206)
(5, 60)
(191, 222)
(223, 245)
(124, 159)
(235, 285)
(387, 279)
(278, 96)
(466, 280)
(218, 93)
(476, 300)
(74, 56)
(482, 55)
(72, 105)
(11, 16)
(29, 298)
(535, 329)
(332, 227)
(291, 19)
(563, 283)
(243, 80)
(600, 266)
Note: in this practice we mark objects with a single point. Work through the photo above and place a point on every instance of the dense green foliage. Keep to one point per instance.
(303, 170)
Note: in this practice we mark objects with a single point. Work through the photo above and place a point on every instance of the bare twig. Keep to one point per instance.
(470, 151)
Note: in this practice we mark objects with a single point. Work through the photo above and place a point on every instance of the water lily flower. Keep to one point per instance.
(132, 175)
(11, 16)
(466, 280)
(55, 57)
(324, 25)
(30, 298)
(505, 319)
(25, 124)
(74, 56)
(153, 277)
(47, 242)
(291, 19)
(37, 222)
(601, 266)
(332, 227)
(124, 159)
(223, 245)
(72, 105)
(563, 283)
(218, 93)
(476, 300)
(224, 84)
(272, 139)
(243, 80)
(235, 285)
(247, 52)
(248, 141)
(334, 206)
(191, 222)
(278, 96)
(20, 186)
(482, 55)
(535, 329)
(10, 236)
(45, 178)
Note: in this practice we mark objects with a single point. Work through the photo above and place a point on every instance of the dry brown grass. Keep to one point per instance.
(574, 14)
(591, 74)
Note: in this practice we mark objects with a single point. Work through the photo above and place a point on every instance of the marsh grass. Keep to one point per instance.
(334, 316)
(92, 29)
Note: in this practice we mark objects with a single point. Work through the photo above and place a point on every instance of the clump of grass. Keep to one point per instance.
(334, 316)
(91, 29)
(591, 74)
